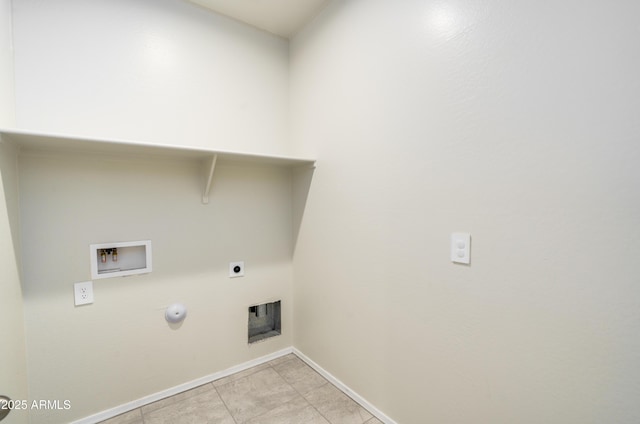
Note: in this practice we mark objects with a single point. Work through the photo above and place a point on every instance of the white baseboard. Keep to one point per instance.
(129, 406)
(344, 388)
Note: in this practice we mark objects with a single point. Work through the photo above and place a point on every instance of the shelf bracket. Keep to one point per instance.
(210, 166)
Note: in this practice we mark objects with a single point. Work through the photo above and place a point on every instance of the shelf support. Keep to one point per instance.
(210, 166)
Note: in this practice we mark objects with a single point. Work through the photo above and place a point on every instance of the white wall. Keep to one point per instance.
(7, 98)
(120, 348)
(164, 71)
(13, 370)
(13, 365)
(516, 122)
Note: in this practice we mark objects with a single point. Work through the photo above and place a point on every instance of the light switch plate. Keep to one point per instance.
(461, 248)
(83, 293)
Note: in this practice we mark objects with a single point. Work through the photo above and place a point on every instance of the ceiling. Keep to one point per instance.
(280, 17)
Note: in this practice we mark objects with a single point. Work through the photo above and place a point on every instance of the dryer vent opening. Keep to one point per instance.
(264, 321)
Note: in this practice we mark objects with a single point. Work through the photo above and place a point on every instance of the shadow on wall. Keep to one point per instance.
(9, 184)
(302, 178)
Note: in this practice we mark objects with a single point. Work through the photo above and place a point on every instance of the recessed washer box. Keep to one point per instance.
(120, 259)
(264, 321)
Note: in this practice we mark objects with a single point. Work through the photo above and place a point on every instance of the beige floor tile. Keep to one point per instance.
(282, 359)
(337, 407)
(131, 417)
(283, 391)
(300, 375)
(256, 394)
(239, 375)
(203, 408)
(176, 398)
(297, 411)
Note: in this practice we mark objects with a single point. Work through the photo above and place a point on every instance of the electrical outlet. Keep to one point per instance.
(236, 269)
(83, 293)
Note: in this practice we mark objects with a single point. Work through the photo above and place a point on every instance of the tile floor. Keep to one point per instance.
(283, 391)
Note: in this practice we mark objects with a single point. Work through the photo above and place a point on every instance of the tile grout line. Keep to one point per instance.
(225, 403)
(108, 414)
(270, 366)
(302, 395)
(375, 412)
(316, 409)
(289, 384)
(280, 365)
(298, 392)
(244, 376)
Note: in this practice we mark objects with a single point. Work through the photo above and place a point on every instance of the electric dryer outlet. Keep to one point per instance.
(236, 269)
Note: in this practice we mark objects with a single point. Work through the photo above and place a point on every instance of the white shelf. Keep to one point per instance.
(39, 141)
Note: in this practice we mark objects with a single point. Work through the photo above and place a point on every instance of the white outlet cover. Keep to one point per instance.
(236, 269)
(461, 248)
(83, 293)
